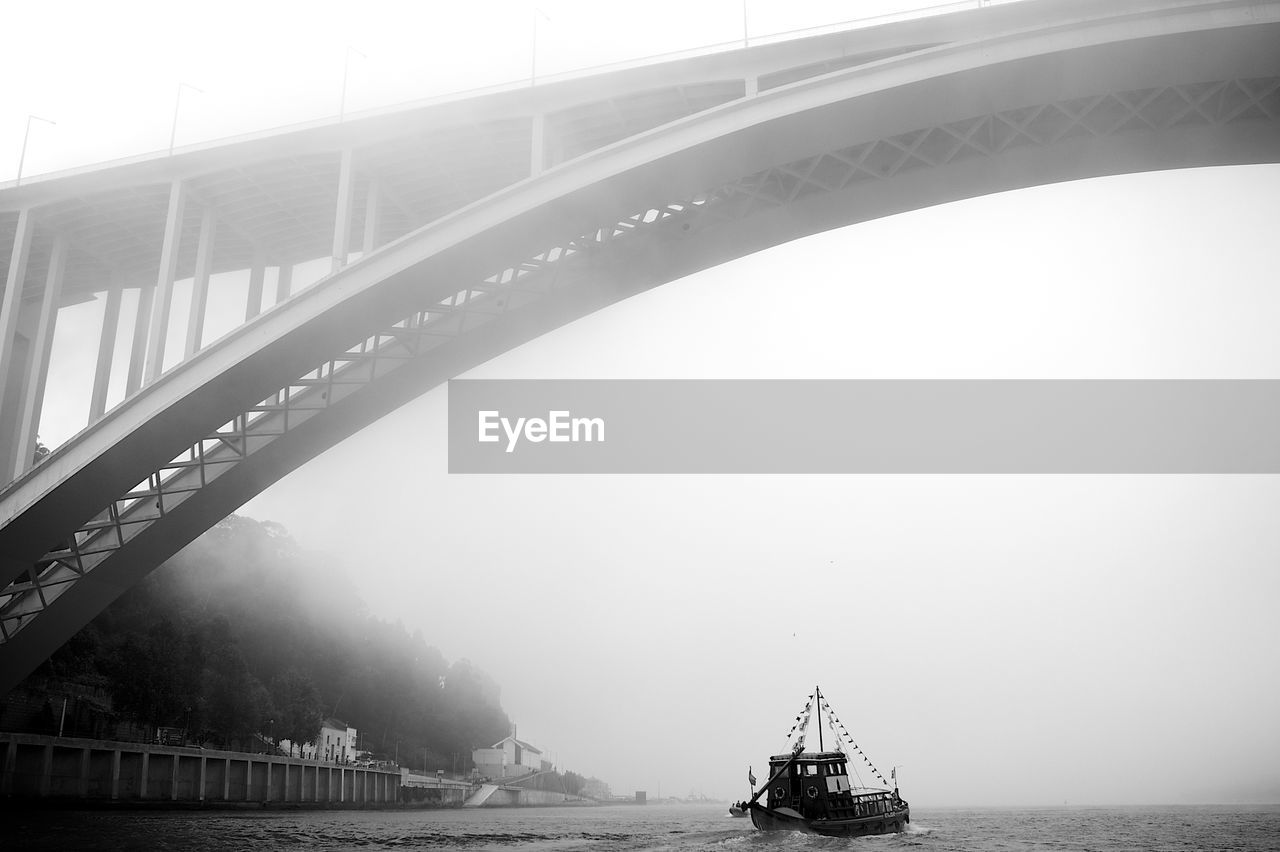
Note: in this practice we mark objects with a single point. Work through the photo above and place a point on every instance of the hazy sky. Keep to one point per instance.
(1004, 639)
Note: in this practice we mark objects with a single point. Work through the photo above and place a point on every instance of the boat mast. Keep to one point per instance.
(817, 697)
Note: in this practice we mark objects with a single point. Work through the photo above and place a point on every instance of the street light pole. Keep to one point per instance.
(23, 156)
(173, 133)
(533, 54)
(346, 68)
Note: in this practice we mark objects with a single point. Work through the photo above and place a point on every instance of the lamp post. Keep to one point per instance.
(23, 156)
(342, 104)
(177, 102)
(533, 53)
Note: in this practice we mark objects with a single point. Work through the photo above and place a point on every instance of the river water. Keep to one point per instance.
(651, 828)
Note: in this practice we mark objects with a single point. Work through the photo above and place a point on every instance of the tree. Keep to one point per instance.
(263, 637)
(156, 676)
(236, 703)
(298, 709)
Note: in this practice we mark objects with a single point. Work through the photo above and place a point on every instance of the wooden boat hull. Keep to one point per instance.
(785, 819)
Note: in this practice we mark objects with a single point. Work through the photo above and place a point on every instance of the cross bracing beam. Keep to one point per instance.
(754, 173)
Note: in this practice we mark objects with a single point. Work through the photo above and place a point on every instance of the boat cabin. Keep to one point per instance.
(817, 785)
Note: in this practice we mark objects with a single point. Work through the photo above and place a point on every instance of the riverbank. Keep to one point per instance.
(73, 773)
(83, 772)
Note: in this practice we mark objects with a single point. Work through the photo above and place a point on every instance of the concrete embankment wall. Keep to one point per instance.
(433, 797)
(431, 791)
(507, 798)
(62, 768)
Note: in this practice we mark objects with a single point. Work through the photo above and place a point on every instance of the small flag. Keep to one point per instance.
(751, 777)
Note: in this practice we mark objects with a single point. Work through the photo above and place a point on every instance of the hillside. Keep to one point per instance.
(244, 632)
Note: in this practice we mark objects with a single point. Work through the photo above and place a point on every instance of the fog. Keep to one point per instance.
(1001, 639)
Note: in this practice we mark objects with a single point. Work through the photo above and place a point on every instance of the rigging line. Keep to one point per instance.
(831, 715)
(854, 770)
(874, 770)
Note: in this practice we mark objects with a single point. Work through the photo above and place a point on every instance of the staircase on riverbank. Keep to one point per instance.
(479, 797)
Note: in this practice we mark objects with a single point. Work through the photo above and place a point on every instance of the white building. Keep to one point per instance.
(508, 758)
(336, 742)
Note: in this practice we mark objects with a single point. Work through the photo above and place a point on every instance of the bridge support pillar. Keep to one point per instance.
(146, 771)
(106, 351)
(284, 282)
(138, 349)
(10, 307)
(253, 300)
(38, 359)
(537, 144)
(372, 217)
(342, 215)
(159, 330)
(200, 282)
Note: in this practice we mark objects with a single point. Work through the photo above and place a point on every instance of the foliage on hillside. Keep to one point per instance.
(570, 783)
(244, 633)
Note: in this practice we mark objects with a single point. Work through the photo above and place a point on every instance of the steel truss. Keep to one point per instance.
(570, 265)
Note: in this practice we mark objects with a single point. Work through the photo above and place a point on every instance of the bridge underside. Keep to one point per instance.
(850, 146)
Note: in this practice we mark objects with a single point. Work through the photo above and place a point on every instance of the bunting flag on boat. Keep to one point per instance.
(802, 722)
(836, 723)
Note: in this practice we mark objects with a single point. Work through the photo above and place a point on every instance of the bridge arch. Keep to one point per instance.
(1149, 87)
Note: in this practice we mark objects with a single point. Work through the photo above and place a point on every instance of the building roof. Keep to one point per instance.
(524, 745)
(811, 756)
(336, 724)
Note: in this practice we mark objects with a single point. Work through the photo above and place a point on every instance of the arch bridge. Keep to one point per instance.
(432, 237)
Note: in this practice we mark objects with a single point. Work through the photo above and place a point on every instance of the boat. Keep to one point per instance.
(739, 809)
(810, 791)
